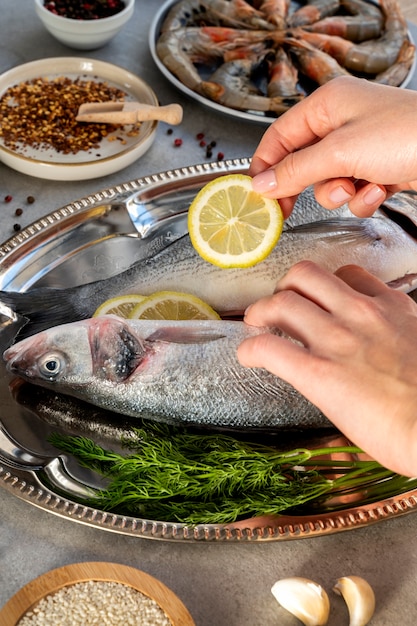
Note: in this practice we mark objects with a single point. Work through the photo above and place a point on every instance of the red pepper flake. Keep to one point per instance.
(178, 142)
(8, 198)
(202, 143)
(200, 136)
(220, 156)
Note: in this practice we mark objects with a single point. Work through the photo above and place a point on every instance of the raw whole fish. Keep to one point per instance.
(379, 244)
(175, 372)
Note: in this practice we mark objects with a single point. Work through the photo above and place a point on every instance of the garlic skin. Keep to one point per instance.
(359, 597)
(303, 598)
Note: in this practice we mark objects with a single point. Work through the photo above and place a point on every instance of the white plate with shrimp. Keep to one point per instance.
(236, 73)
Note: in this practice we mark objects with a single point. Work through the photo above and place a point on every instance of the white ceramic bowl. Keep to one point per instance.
(84, 34)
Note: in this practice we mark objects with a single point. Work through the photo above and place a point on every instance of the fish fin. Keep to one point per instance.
(42, 308)
(342, 227)
(192, 334)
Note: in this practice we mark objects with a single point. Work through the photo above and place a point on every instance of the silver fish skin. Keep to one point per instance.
(175, 372)
(378, 244)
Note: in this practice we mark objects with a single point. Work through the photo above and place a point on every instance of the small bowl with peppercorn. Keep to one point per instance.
(84, 25)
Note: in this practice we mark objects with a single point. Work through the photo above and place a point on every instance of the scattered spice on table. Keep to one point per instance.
(41, 112)
(89, 10)
(100, 603)
(203, 142)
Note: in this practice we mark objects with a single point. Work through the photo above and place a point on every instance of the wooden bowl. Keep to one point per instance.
(49, 583)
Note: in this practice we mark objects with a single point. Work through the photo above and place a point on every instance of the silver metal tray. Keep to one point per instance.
(85, 240)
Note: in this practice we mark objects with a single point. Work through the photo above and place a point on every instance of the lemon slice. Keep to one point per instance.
(173, 305)
(231, 225)
(121, 305)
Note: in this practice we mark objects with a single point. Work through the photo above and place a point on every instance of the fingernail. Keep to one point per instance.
(339, 195)
(247, 310)
(374, 195)
(264, 182)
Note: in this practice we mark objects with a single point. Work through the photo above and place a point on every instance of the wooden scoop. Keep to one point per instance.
(128, 113)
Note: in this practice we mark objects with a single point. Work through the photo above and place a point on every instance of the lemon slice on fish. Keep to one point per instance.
(120, 305)
(173, 305)
(231, 225)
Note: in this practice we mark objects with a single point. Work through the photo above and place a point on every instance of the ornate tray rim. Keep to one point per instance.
(26, 484)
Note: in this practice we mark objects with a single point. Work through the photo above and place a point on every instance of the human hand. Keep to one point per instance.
(354, 140)
(356, 359)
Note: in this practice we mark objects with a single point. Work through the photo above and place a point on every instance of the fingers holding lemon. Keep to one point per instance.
(230, 225)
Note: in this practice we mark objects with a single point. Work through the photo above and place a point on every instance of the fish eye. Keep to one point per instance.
(51, 365)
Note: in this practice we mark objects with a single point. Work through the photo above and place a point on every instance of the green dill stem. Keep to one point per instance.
(177, 476)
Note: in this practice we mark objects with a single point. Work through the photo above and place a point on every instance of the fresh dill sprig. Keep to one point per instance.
(174, 475)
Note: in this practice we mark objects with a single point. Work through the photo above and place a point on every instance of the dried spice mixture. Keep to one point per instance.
(40, 113)
(96, 603)
(90, 10)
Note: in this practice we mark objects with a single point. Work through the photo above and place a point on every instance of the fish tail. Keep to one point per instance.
(39, 309)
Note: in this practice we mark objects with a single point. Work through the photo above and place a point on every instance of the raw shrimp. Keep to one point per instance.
(335, 46)
(231, 86)
(180, 49)
(398, 72)
(283, 76)
(258, 54)
(313, 11)
(317, 65)
(365, 22)
(257, 49)
(275, 11)
(369, 57)
(236, 13)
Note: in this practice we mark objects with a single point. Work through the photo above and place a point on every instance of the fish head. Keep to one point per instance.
(77, 354)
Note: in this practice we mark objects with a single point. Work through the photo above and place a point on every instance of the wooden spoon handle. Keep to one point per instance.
(170, 113)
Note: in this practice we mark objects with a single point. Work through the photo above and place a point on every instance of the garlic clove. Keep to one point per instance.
(303, 598)
(359, 597)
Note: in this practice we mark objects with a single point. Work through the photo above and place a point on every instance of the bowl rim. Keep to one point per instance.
(129, 4)
(52, 581)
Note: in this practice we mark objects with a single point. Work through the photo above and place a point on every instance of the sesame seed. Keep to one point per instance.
(96, 603)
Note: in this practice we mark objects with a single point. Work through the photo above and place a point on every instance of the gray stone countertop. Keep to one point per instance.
(222, 584)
